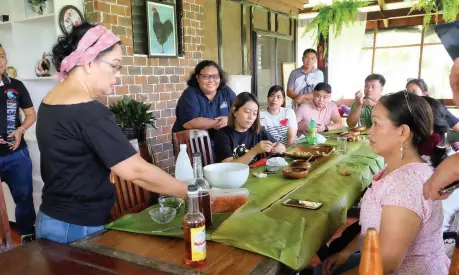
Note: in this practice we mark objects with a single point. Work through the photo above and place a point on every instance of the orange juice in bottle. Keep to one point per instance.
(194, 230)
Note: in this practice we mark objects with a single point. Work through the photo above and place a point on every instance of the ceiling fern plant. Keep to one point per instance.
(337, 14)
(450, 9)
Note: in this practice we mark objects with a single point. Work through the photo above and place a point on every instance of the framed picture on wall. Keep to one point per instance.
(162, 29)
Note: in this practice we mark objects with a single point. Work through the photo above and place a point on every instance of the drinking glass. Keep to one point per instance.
(342, 145)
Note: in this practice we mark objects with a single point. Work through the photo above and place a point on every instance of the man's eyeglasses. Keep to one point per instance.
(207, 77)
(116, 68)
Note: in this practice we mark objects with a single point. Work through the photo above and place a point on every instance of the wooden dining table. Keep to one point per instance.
(167, 254)
(43, 257)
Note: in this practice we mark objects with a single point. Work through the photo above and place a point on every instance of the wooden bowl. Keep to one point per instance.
(300, 163)
(295, 173)
(359, 129)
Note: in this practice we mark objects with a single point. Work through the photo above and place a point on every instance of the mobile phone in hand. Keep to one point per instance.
(450, 188)
(449, 37)
(302, 204)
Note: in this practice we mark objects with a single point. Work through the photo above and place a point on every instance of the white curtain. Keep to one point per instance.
(343, 59)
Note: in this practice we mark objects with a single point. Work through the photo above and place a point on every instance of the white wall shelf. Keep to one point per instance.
(40, 17)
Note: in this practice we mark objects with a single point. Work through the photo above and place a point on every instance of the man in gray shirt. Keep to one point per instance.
(302, 81)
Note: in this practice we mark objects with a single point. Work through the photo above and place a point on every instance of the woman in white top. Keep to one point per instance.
(279, 121)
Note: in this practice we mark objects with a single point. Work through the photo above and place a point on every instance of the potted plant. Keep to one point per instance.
(38, 5)
(450, 9)
(133, 117)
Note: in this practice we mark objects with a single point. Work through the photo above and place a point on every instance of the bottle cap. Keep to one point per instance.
(183, 146)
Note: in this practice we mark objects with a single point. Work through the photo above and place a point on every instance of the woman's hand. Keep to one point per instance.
(278, 148)
(221, 123)
(334, 262)
(320, 128)
(445, 174)
(264, 146)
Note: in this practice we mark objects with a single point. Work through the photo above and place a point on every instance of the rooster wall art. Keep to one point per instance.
(161, 20)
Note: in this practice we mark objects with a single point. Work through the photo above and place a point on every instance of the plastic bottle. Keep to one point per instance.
(194, 231)
(183, 169)
(312, 138)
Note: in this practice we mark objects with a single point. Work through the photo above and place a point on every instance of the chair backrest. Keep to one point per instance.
(196, 141)
(5, 230)
(130, 198)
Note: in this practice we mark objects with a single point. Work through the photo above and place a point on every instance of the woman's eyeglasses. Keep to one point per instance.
(208, 77)
(116, 68)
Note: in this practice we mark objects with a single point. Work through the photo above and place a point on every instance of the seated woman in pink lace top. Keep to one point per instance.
(410, 227)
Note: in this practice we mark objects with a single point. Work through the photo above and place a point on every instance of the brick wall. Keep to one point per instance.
(158, 81)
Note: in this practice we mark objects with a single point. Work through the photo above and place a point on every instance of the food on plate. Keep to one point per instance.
(359, 129)
(351, 136)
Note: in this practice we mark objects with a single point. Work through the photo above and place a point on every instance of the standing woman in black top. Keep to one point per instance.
(80, 142)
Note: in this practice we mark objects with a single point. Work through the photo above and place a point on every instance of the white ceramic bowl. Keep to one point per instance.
(226, 175)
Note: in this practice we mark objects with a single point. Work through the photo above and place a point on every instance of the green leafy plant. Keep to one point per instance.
(450, 9)
(336, 15)
(131, 114)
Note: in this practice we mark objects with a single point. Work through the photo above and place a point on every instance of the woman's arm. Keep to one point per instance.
(149, 177)
(291, 136)
(264, 146)
(201, 123)
(399, 226)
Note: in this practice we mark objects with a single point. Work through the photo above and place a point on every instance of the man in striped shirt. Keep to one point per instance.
(302, 81)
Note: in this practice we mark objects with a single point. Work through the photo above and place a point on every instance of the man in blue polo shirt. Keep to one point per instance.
(207, 101)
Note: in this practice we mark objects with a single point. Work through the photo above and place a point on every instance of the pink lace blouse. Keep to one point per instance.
(403, 187)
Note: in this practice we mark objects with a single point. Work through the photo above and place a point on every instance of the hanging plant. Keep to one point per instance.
(450, 9)
(336, 15)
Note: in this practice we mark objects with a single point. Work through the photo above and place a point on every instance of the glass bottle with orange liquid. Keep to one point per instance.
(194, 230)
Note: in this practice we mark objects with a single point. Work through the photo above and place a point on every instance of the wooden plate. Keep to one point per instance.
(315, 151)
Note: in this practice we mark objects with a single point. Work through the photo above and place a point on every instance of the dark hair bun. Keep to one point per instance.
(68, 43)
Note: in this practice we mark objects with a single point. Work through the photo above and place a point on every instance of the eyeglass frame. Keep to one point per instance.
(208, 77)
(116, 68)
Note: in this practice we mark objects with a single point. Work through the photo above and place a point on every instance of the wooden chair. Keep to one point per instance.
(131, 198)
(5, 230)
(196, 141)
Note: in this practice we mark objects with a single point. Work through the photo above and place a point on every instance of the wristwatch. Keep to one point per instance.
(326, 129)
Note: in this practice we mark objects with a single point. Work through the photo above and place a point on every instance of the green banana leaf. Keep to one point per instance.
(289, 235)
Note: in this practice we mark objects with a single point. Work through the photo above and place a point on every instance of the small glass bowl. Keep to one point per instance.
(168, 201)
(162, 215)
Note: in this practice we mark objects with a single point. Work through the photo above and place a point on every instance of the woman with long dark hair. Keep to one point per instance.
(244, 140)
(80, 142)
(279, 121)
(410, 227)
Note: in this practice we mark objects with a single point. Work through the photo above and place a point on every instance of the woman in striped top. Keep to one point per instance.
(279, 121)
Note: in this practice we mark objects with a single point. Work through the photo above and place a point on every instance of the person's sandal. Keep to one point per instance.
(25, 239)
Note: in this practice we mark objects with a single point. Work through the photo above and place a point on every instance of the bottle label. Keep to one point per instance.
(313, 132)
(198, 243)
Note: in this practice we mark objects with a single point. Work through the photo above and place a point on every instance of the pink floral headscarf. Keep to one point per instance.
(95, 41)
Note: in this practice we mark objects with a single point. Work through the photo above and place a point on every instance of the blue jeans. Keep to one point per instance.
(16, 171)
(353, 261)
(62, 232)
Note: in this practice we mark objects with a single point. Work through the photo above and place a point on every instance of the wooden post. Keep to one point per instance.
(371, 263)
